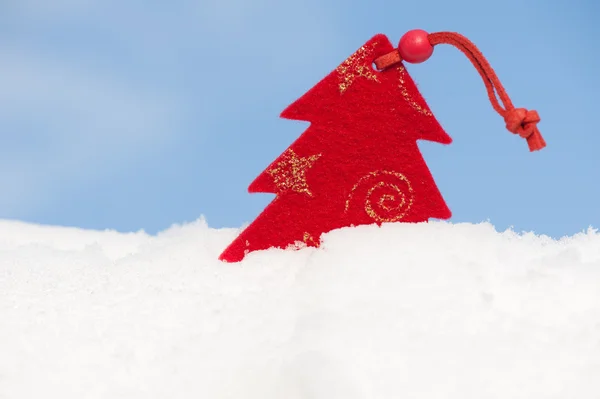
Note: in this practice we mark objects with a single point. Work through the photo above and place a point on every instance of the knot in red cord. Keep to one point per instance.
(524, 123)
(521, 121)
(518, 121)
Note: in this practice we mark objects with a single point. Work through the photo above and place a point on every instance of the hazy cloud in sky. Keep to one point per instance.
(61, 121)
(89, 87)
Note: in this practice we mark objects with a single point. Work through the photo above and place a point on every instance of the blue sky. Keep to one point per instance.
(139, 115)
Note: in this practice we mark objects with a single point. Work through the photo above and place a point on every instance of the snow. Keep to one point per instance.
(436, 310)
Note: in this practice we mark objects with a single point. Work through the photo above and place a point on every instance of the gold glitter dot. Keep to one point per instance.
(308, 237)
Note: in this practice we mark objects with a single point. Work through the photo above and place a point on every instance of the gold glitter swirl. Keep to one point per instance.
(407, 96)
(357, 65)
(392, 192)
(290, 172)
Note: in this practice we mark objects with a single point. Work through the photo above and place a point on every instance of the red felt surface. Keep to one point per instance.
(366, 166)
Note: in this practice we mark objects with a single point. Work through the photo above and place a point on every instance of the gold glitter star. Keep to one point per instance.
(356, 66)
(290, 172)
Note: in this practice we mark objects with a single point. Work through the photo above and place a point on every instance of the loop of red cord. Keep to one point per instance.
(518, 120)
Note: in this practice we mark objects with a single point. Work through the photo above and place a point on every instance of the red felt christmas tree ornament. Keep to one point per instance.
(358, 162)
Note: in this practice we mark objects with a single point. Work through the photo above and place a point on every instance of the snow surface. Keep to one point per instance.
(435, 310)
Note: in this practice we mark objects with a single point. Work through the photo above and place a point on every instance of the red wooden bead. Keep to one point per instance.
(414, 46)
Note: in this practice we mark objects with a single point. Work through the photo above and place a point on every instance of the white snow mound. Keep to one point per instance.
(437, 310)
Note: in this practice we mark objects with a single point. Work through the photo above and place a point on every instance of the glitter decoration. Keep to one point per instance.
(407, 96)
(309, 239)
(290, 172)
(395, 201)
(354, 137)
(356, 66)
(366, 120)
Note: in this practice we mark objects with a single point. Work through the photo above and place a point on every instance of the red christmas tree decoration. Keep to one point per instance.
(358, 162)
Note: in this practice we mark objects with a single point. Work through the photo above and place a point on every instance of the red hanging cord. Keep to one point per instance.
(518, 120)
